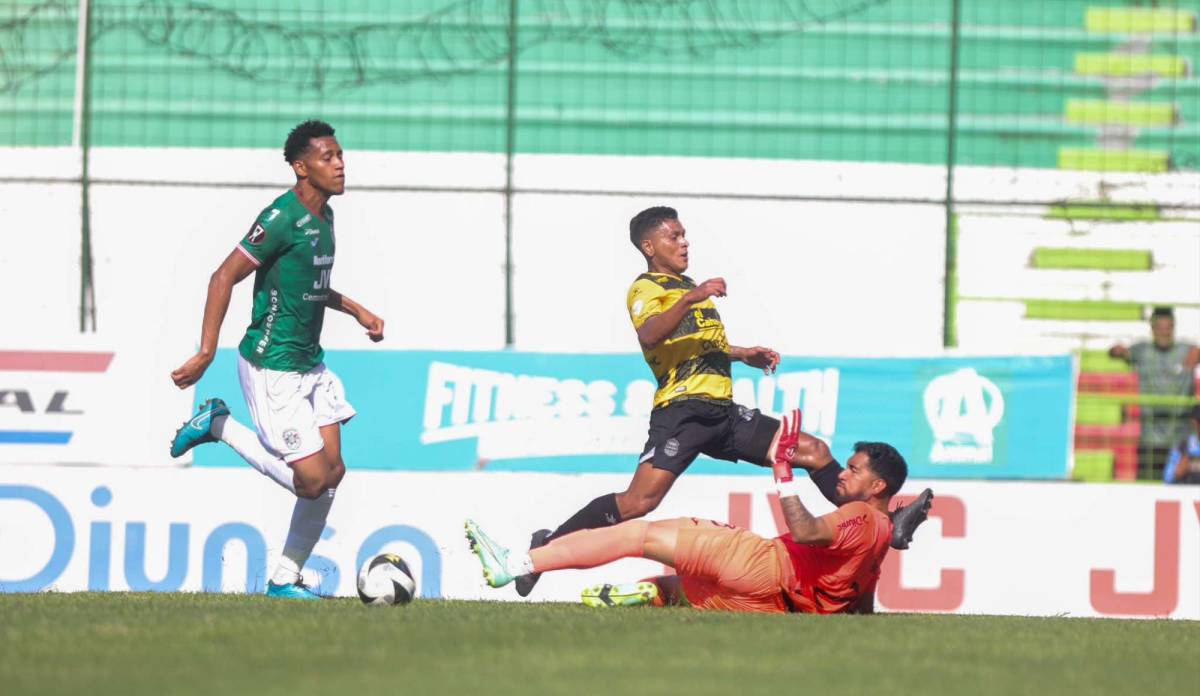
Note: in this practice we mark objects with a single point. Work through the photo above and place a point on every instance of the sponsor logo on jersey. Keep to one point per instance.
(256, 235)
(304, 220)
(636, 310)
(272, 215)
(853, 522)
(323, 260)
(269, 324)
(963, 408)
(311, 232)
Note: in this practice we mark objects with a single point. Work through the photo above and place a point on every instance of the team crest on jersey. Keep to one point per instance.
(256, 234)
(291, 438)
(671, 448)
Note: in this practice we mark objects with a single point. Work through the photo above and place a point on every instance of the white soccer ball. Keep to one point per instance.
(386, 579)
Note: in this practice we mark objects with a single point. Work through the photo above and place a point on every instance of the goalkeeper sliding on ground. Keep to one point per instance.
(822, 565)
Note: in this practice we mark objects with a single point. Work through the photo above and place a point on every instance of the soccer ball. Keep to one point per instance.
(386, 579)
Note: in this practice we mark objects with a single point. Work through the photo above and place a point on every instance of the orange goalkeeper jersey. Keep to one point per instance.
(830, 579)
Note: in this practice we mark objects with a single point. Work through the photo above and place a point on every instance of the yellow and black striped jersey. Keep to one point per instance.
(694, 360)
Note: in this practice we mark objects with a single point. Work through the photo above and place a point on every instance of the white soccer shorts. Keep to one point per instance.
(289, 408)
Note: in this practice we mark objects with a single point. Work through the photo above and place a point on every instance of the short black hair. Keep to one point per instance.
(300, 139)
(647, 221)
(886, 462)
(1162, 312)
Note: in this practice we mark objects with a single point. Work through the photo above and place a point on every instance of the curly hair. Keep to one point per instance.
(300, 139)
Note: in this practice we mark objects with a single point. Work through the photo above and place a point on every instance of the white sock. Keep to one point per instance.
(308, 521)
(245, 442)
(519, 564)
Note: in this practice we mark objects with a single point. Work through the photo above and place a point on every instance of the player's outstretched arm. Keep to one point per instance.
(802, 525)
(764, 359)
(232, 271)
(657, 328)
(366, 319)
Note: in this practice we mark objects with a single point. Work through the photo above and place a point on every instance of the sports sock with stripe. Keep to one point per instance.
(308, 521)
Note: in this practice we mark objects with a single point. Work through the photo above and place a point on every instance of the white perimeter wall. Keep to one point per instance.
(997, 548)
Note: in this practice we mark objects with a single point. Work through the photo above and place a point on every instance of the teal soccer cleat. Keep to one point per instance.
(198, 430)
(295, 590)
(492, 556)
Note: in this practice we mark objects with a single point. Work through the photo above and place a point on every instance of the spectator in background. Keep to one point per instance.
(1164, 367)
(1183, 466)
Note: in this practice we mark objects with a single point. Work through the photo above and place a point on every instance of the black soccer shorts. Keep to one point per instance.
(682, 430)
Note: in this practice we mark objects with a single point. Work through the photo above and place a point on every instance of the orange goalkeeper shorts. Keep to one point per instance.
(728, 569)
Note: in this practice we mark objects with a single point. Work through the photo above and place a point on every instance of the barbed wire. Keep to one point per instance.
(460, 37)
(21, 62)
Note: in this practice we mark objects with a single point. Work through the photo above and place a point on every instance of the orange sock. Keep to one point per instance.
(589, 548)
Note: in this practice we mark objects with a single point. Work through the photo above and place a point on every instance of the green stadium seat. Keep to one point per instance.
(1101, 361)
(1093, 411)
(1121, 440)
(1092, 259)
(1093, 465)
(1099, 160)
(1099, 112)
(1148, 212)
(1083, 310)
(1130, 64)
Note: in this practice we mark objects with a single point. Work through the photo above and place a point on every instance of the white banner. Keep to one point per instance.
(993, 548)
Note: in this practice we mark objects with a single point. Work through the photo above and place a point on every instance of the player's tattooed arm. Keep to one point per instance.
(659, 327)
(764, 359)
(366, 319)
(802, 525)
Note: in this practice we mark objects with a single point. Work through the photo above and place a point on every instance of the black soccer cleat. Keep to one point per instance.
(525, 583)
(906, 519)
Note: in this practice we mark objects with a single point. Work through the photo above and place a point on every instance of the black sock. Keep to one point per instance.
(601, 512)
(826, 479)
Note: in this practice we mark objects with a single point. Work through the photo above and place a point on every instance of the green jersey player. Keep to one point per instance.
(297, 404)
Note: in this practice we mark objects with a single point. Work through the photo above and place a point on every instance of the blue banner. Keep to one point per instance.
(996, 418)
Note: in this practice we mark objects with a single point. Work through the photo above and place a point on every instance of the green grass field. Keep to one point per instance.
(234, 644)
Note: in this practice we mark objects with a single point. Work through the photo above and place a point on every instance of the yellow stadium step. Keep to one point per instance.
(1130, 64)
(1099, 112)
(1099, 160)
(1139, 20)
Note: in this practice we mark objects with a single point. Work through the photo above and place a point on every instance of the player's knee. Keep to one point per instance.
(639, 505)
(310, 487)
(336, 473)
(312, 491)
